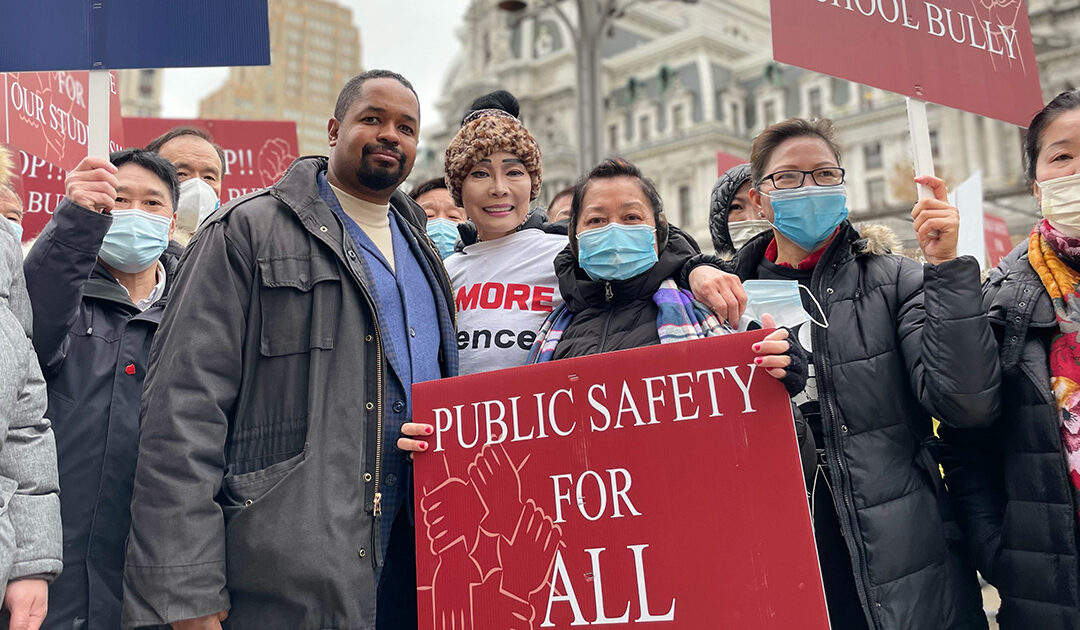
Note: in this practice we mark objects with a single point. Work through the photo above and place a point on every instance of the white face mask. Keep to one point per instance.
(1061, 204)
(743, 231)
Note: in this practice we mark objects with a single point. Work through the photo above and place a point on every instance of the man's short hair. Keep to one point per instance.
(154, 163)
(352, 89)
(176, 132)
(435, 183)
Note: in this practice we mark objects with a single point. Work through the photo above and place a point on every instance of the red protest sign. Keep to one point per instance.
(41, 189)
(256, 152)
(998, 241)
(973, 56)
(45, 113)
(660, 485)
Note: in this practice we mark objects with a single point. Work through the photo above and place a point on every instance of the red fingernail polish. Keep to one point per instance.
(428, 430)
(757, 346)
(758, 360)
(423, 446)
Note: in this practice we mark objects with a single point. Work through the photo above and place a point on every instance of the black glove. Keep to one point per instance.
(795, 379)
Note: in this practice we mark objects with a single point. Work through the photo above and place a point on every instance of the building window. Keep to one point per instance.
(768, 112)
(678, 118)
(643, 128)
(875, 191)
(814, 103)
(736, 116)
(872, 156)
(866, 98)
(613, 138)
(146, 83)
(684, 206)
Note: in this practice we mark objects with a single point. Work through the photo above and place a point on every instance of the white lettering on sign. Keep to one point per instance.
(560, 582)
(647, 401)
(967, 29)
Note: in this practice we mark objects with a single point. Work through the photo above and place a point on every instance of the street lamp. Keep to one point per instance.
(593, 17)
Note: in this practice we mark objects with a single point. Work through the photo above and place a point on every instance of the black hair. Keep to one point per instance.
(499, 99)
(154, 163)
(619, 167)
(565, 192)
(355, 86)
(176, 132)
(434, 183)
(774, 135)
(1061, 103)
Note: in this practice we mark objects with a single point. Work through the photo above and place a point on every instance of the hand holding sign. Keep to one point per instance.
(93, 184)
(937, 223)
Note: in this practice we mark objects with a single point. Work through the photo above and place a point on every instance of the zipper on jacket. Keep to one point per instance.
(848, 521)
(608, 295)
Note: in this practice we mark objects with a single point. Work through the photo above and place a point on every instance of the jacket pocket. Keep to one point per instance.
(245, 489)
(299, 298)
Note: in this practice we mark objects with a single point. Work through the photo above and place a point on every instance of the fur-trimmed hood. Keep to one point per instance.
(877, 240)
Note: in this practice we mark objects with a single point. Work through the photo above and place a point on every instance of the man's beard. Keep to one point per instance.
(378, 177)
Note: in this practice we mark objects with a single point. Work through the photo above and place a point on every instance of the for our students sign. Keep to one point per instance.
(656, 486)
(45, 114)
(973, 55)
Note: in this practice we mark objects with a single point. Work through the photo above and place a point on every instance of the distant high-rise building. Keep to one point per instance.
(314, 50)
(140, 92)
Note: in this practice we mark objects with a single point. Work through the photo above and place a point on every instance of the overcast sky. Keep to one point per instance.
(413, 37)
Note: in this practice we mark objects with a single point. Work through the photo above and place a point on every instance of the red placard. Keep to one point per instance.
(256, 152)
(974, 56)
(998, 241)
(727, 161)
(658, 485)
(41, 187)
(44, 114)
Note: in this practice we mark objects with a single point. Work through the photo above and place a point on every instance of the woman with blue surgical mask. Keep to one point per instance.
(617, 278)
(893, 344)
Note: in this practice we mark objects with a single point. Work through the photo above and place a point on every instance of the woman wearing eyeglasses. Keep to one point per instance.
(895, 344)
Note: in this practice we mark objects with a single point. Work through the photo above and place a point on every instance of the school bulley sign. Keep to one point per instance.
(973, 55)
(657, 486)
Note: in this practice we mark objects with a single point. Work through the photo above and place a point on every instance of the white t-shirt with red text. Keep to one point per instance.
(503, 291)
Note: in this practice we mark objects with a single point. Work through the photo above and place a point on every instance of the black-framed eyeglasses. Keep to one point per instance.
(786, 180)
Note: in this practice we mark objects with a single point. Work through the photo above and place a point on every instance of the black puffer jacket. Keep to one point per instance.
(723, 193)
(904, 342)
(1009, 483)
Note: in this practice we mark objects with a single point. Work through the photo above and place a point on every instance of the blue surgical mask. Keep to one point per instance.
(616, 251)
(809, 215)
(135, 240)
(781, 299)
(445, 234)
(18, 229)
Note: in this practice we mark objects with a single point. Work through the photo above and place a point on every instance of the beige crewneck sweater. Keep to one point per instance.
(373, 219)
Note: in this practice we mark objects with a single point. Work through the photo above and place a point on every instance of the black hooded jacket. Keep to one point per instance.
(723, 193)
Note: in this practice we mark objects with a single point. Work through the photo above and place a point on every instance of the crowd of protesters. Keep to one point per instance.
(207, 414)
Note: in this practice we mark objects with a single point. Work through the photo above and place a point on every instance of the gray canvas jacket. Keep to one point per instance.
(269, 346)
(30, 537)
